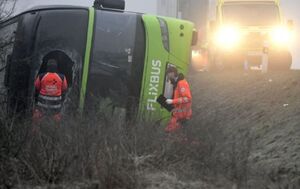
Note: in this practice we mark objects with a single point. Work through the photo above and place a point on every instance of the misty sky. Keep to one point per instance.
(291, 11)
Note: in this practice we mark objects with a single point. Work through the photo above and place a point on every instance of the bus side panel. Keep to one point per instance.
(180, 40)
(158, 59)
(154, 70)
(180, 34)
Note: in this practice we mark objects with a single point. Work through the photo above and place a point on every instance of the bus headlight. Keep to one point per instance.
(281, 35)
(228, 37)
(164, 33)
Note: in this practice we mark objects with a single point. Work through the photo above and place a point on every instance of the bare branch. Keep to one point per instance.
(7, 8)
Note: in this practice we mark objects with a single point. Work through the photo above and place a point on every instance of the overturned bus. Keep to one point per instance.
(111, 58)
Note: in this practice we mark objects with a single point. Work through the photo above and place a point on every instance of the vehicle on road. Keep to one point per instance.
(242, 29)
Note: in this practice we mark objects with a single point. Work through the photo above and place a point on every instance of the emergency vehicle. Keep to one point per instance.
(110, 57)
(242, 29)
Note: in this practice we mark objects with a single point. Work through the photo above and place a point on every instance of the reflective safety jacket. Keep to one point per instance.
(182, 101)
(50, 87)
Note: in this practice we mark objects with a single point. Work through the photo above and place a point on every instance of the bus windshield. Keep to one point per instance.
(117, 56)
(251, 14)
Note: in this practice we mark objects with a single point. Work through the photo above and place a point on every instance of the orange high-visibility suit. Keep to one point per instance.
(182, 102)
(50, 88)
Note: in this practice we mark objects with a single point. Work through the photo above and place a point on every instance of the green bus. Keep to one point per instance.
(109, 57)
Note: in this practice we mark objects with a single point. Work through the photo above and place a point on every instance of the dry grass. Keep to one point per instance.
(113, 155)
(101, 153)
(6, 9)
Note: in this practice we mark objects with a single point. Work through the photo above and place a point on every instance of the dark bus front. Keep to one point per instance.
(116, 68)
(117, 56)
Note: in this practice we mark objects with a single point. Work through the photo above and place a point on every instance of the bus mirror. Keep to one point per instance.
(195, 38)
(290, 24)
(109, 4)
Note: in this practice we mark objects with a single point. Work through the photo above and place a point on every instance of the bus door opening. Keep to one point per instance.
(66, 67)
(169, 84)
(65, 64)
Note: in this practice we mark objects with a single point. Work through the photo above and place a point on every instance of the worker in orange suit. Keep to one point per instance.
(50, 88)
(182, 101)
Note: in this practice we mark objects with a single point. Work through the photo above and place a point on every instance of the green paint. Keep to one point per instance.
(157, 58)
(87, 57)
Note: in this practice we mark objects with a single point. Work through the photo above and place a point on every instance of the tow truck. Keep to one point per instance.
(243, 30)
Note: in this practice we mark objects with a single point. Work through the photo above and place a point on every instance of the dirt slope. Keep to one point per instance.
(254, 120)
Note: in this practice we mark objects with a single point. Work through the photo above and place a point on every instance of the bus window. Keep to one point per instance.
(7, 38)
(117, 58)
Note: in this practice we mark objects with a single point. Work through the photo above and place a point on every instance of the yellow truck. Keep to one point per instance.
(245, 29)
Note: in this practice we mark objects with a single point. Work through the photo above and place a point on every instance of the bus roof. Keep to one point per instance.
(57, 7)
(47, 7)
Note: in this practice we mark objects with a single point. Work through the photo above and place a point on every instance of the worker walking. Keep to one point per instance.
(50, 89)
(182, 101)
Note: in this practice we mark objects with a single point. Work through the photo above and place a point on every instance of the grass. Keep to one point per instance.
(101, 153)
(115, 155)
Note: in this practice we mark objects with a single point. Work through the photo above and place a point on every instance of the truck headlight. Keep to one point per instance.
(281, 35)
(195, 54)
(228, 37)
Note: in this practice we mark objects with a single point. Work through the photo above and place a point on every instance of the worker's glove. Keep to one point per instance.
(169, 101)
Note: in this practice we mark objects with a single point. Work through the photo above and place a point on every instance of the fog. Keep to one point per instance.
(290, 10)
(147, 6)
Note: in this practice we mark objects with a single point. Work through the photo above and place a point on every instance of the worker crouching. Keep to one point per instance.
(182, 101)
